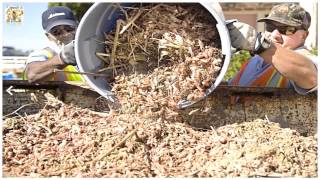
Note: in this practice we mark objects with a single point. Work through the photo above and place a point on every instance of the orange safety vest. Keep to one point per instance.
(270, 77)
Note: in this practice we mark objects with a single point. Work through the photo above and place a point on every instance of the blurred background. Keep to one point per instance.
(22, 33)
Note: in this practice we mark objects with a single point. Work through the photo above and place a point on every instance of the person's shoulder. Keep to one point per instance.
(303, 50)
(43, 51)
(306, 52)
(41, 55)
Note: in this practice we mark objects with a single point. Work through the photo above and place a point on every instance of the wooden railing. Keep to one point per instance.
(13, 63)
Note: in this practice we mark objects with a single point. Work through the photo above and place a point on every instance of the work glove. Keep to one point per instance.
(242, 36)
(67, 54)
(245, 37)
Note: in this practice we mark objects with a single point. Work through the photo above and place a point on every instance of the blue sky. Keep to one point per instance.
(27, 35)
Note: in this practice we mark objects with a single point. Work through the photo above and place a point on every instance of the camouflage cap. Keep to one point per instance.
(290, 14)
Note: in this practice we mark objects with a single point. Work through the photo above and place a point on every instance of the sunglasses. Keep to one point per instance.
(286, 30)
(59, 30)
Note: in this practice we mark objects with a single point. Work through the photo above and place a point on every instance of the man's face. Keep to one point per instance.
(63, 34)
(288, 36)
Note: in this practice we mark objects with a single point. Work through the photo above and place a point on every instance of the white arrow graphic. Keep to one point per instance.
(9, 90)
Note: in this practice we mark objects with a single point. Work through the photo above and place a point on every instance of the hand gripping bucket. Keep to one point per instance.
(101, 18)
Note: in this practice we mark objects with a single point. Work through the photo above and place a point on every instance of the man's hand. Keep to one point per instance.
(243, 36)
(67, 55)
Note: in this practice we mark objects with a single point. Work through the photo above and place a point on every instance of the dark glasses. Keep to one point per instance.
(58, 30)
(286, 30)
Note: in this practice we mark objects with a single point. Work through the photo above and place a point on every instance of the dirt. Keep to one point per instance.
(65, 141)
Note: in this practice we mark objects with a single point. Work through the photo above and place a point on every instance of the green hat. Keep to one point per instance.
(290, 14)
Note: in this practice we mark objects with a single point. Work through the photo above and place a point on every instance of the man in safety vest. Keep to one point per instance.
(280, 58)
(60, 26)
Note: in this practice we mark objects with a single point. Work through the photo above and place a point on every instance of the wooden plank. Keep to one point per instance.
(262, 107)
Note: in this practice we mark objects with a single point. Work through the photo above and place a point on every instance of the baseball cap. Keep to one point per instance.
(56, 16)
(290, 14)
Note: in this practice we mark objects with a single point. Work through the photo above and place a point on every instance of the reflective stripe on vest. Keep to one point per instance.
(72, 77)
(268, 78)
(64, 76)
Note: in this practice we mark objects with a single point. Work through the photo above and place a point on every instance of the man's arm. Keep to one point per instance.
(40, 70)
(292, 65)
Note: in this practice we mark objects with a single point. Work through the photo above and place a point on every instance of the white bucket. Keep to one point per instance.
(101, 18)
